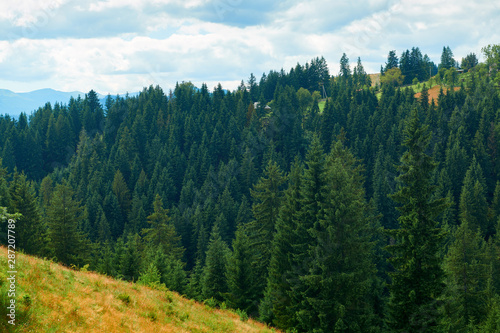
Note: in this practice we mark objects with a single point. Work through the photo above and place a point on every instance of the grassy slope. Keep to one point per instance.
(64, 300)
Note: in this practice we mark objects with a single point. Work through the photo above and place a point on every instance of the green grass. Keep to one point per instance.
(420, 86)
(321, 105)
(53, 298)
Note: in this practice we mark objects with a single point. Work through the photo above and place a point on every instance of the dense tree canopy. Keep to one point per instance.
(273, 198)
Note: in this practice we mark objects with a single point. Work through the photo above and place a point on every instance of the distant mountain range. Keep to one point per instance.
(13, 104)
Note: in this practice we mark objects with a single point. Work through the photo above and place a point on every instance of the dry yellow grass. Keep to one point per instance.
(64, 300)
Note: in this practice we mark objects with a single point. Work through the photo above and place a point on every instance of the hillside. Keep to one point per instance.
(53, 298)
(434, 92)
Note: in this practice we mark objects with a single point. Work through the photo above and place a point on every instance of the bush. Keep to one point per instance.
(211, 302)
(124, 298)
(27, 301)
(243, 315)
(151, 277)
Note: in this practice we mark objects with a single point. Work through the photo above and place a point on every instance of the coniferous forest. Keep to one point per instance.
(310, 200)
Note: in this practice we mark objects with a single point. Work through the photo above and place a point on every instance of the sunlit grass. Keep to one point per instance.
(63, 300)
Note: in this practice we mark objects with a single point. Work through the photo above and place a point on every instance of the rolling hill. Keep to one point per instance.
(53, 298)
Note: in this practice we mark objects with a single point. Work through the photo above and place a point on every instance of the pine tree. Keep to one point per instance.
(392, 61)
(150, 277)
(103, 229)
(267, 195)
(213, 280)
(194, 285)
(162, 231)
(240, 275)
(31, 231)
(313, 191)
(473, 205)
(466, 270)
(342, 267)
(417, 281)
(4, 201)
(64, 215)
(382, 182)
(105, 265)
(174, 275)
(277, 301)
(120, 189)
(345, 70)
(118, 253)
(130, 260)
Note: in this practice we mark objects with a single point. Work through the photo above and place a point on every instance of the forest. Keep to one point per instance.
(310, 201)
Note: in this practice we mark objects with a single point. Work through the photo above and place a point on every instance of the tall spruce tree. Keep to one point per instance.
(162, 231)
(31, 232)
(276, 304)
(417, 280)
(473, 206)
(467, 276)
(242, 293)
(314, 189)
(65, 213)
(214, 279)
(267, 195)
(342, 268)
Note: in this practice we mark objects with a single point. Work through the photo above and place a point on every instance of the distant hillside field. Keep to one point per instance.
(53, 298)
(375, 78)
(434, 92)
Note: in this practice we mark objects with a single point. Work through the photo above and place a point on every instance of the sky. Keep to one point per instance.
(119, 46)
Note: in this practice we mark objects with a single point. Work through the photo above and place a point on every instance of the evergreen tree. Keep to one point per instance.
(447, 60)
(213, 280)
(31, 231)
(103, 229)
(313, 196)
(242, 293)
(466, 270)
(392, 61)
(473, 205)
(162, 231)
(417, 281)
(276, 306)
(122, 193)
(267, 196)
(105, 265)
(130, 261)
(342, 268)
(64, 215)
(174, 275)
(345, 70)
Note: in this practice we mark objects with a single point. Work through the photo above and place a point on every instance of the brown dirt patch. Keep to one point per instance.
(375, 79)
(434, 93)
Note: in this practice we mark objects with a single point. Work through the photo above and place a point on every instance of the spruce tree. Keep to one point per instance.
(130, 260)
(105, 265)
(267, 195)
(162, 231)
(466, 270)
(342, 265)
(64, 214)
(314, 189)
(4, 201)
(242, 293)
(276, 306)
(417, 280)
(473, 205)
(31, 231)
(213, 280)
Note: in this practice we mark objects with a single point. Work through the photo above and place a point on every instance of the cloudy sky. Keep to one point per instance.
(117, 46)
